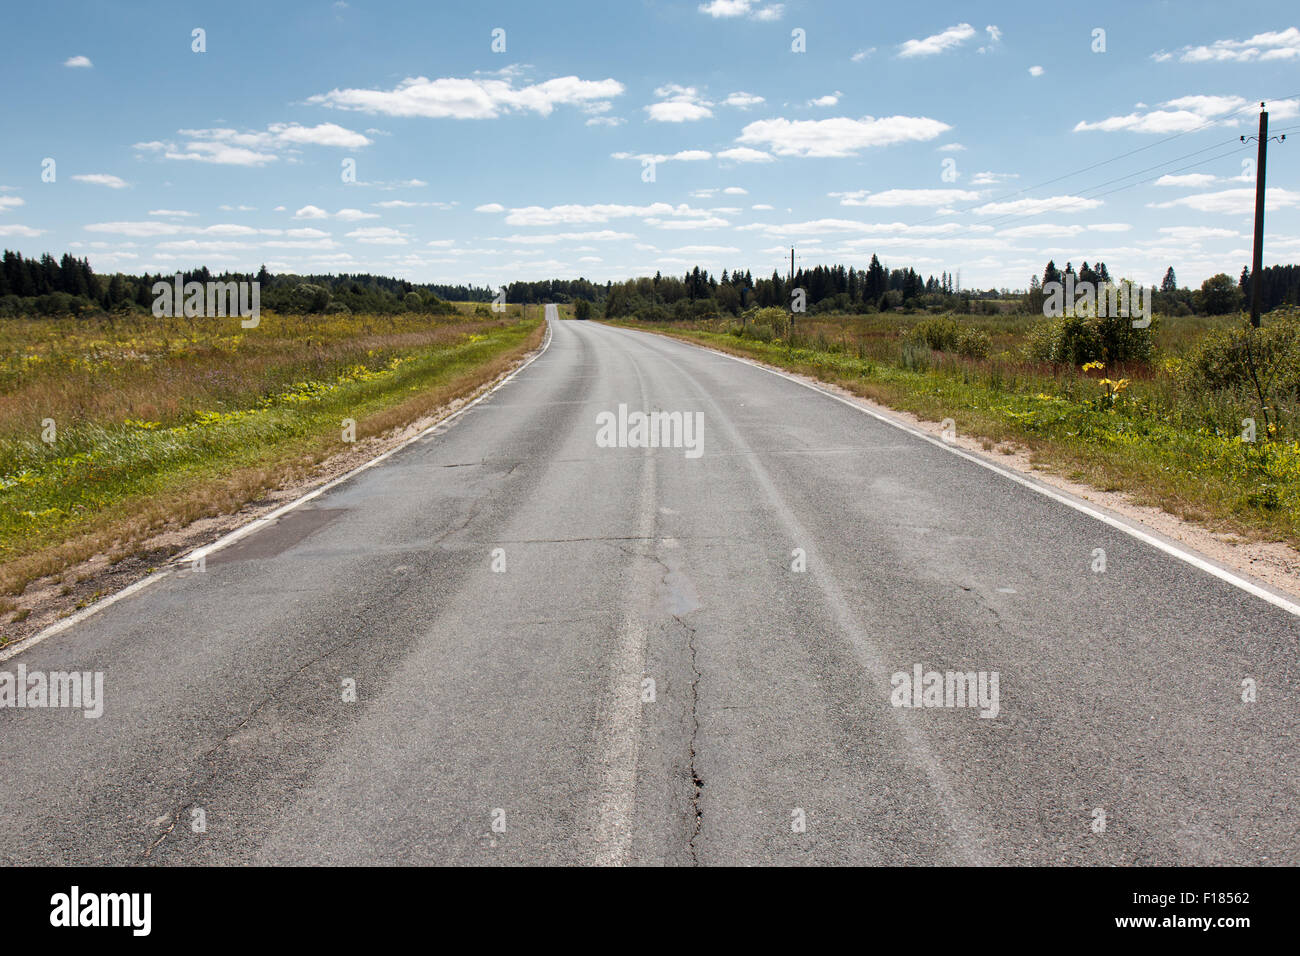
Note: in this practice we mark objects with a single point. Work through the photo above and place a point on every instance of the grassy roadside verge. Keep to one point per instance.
(1202, 474)
(153, 431)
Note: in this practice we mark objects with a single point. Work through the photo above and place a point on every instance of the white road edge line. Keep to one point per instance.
(1171, 549)
(257, 524)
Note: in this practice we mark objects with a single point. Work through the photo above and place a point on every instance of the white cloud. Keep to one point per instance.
(995, 38)
(408, 204)
(490, 207)
(606, 121)
(138, 229)
(230, 147)
(1283, 45)
(685, 155)
(735, 191)
(987, 178)
(322, 134)
(25, 231)
(101, 179)
(172, 213)
(346, 215)
(1186, 179)
(743, 100)
(862, 54)
(1034, 207)
(545, 239)
(753, 9)
(947, 40)
(78, 62)
(830, 99)
(744, 154)
(679, 104)
(7, 202)
(905, 197)
(1233, 201)
(597, 213)
(470, 98)
(378, 236)
(1195, 233)
(1036, 71)
(952, 148)
(840, 136)
(1188, 113)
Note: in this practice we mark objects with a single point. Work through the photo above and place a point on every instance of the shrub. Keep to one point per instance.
(938, 334)
(776, 319)
(973, 343)
(1224, 357)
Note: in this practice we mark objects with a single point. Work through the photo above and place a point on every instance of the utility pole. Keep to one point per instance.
(1257, 260)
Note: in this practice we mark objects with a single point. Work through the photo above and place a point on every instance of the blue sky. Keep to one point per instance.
(920, 132)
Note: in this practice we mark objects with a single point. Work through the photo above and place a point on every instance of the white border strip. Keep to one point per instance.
(1173, 550)
(259, 523)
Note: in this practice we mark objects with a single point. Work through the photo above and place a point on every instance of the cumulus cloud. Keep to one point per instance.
(752, 9)
(745, 154)
(939, 42)
(231, 147)
(1281, 45)
(78, 62)
(471, 98)
(1034, 207)
(379, 236)
(1194, 180)
(573, 213)
(995, 38)
(679, 104)
(601, 235)
(905, 197)
(346, 215)
(1188, 113)
(1233, 201)
(841, 136)
(988, 178)
(101, 179)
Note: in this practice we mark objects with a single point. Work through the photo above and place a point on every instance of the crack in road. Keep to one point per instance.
(697, 783)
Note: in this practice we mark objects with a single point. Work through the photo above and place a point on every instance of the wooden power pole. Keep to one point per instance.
(1257, 259)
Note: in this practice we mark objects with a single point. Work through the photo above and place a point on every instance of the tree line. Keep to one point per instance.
(68, 286)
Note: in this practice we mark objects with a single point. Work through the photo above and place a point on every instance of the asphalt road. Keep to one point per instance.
(501, 716)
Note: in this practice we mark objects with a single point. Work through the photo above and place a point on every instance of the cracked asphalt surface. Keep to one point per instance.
(520, 697)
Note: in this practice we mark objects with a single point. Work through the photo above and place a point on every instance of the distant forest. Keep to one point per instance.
(68, 286)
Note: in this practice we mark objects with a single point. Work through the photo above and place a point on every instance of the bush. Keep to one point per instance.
(938, 334)
(1120, 342)
(973, 343)
(582, 309)
(1222, 360)
(307, 298)
(1075, 339)
(777, 320)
